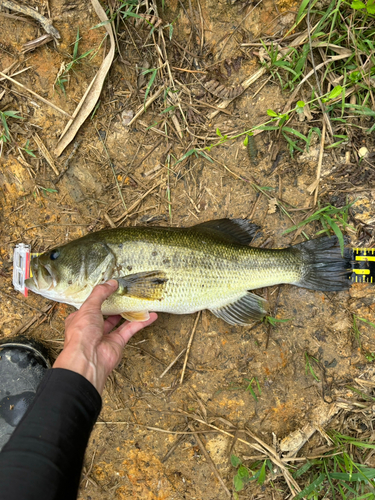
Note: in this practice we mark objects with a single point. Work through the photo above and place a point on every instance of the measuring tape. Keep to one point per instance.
(363, 265)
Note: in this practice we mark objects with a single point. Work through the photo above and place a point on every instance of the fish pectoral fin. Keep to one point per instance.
(243, 311)
(136, 316)
(148, 285)
(239, 231)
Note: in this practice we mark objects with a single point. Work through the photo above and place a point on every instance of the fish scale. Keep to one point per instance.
(184, 270)
(198, 277)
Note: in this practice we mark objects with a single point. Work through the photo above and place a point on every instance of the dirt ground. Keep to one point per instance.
(125, 458)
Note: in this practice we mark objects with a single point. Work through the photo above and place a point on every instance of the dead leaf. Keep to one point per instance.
(313, 186)
(272, 205)
(91, 96)
(336, 48)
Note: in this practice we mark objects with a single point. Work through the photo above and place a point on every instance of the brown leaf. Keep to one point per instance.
(91, 96)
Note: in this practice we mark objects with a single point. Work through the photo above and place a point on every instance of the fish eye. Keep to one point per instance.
(54, 254)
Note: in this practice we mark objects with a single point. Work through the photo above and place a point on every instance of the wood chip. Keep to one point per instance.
(272, 205)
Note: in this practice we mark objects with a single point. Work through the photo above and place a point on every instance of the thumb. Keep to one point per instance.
(99, 294)
(124, 332)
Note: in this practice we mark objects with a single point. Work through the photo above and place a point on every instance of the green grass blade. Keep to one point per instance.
(305, 467)
(153, 76)
(262, 473)
(311, 487)
(295, 132)
(335, 228)
(366, 321)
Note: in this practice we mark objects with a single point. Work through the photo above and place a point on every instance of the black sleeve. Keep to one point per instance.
(44, 456)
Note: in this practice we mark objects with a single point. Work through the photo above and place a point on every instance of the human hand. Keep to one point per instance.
(89, 348)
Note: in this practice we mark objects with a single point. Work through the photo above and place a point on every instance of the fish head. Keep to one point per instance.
(69, 273)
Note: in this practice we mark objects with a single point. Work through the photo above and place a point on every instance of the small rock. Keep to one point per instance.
(363, 152)
(363, 209)
(127, 116)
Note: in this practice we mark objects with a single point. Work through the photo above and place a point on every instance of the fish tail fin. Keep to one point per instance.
(324, 267)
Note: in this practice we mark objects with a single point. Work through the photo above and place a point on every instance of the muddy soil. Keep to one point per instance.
(125, 458)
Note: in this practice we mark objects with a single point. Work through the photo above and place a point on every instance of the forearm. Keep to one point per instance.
(44, 456)
(85, 363)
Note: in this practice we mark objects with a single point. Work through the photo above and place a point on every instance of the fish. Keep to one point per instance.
(184, 270)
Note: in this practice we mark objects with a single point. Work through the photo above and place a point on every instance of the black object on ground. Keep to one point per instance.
(23, 363)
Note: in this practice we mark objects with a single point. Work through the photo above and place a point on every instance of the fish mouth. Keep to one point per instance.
(42, 278)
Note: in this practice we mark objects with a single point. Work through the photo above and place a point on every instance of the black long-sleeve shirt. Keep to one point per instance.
(43, 458)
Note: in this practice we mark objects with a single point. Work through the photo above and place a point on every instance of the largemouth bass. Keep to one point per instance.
(184, 270)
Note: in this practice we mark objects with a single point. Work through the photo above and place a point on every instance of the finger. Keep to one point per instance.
(127, 330)
(99, 294)
(110, 323)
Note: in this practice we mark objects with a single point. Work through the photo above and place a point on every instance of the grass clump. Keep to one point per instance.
(64, 73)
(4, 127)
(244, 475)
(339, 473)
(336, 58)
(331, 218)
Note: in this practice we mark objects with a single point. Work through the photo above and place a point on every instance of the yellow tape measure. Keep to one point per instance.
(363, 270)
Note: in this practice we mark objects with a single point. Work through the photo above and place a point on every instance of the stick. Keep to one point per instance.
(28, 11)
(319, 168)
(171, 450)
(36, 95)
(25, 326)
(189, 346)
(148, 154)
(210, 462)
(44, 151)
(293, 485)
(109, 220)
(136, 203)
(173, 362)
(143, 108)
(164, 431)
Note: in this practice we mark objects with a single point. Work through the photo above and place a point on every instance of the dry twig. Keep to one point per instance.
(173, 362)
(136, 203)
(210, 462)
(36, 95)
(45, 153)
(189, 346)
(28, 11)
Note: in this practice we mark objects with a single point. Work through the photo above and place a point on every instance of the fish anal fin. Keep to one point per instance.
(239, 231)
(148, 285)
(244, 310)
(136, 316)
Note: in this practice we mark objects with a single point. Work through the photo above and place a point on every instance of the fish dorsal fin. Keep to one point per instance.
(243, 311)
(147, 285)
(239, 231)
(136, 316)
